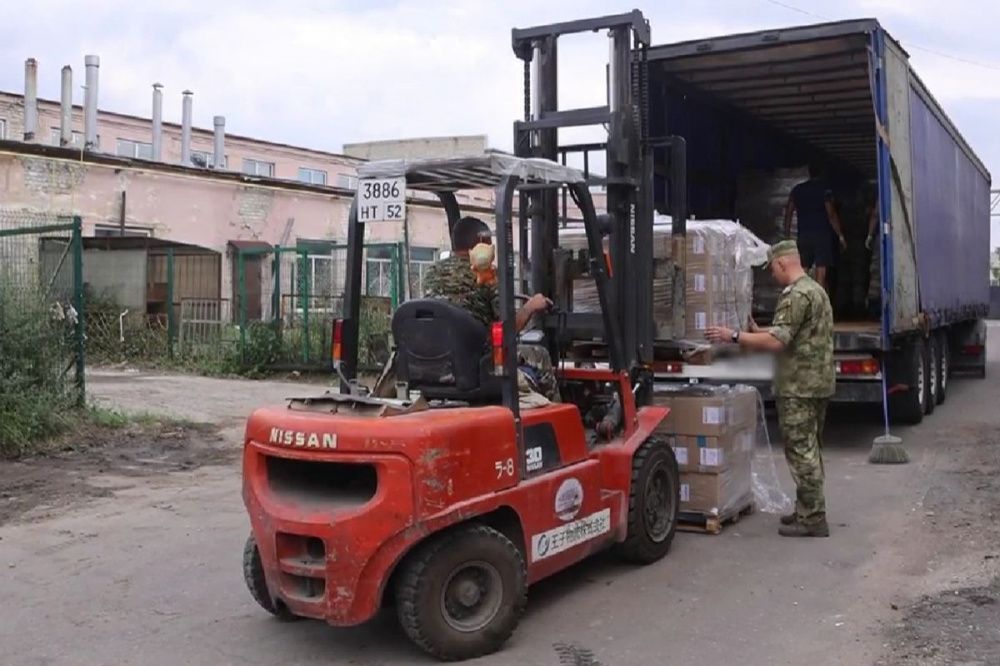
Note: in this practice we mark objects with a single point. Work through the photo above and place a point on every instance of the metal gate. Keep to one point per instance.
(41, 304)
(285, 300)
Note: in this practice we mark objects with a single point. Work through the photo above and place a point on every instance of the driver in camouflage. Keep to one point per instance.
(454, 280)
(802, 336)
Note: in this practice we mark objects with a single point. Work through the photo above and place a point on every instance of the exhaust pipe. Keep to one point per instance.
(30, 99)
(157, 121)
(186, 127)
(66, 107)
(92, 63)
(219, 143)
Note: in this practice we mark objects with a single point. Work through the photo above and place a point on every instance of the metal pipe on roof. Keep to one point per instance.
(92, 64)
(219, 143)
(30, 99)
(157, 122)
(66, 107)
(186, 101)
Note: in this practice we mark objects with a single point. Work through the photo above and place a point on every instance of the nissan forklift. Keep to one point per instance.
(449, 500)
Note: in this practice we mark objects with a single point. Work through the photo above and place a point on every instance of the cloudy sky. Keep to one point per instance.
(322, 73)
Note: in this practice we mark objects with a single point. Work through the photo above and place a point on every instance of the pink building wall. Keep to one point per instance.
(193, 206)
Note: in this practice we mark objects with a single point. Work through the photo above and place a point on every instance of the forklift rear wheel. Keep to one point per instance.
(653, 503)
(253, 574)
(461, 594)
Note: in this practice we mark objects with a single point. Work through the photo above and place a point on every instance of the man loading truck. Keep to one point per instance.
(812, 202)
(802, 336)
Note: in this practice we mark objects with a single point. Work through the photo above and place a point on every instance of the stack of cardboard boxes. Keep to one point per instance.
(713, 431)
(718, 286)
(718, 276)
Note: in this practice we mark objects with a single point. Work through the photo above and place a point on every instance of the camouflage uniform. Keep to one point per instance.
(454, 280)
(804, 382)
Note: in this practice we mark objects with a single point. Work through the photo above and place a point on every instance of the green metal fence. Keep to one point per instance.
(285, 300)
(42, 313)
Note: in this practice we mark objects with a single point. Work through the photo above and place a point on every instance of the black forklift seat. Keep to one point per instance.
(444, 352)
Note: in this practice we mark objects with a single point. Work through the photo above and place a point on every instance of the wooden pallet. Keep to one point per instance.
(690, 521)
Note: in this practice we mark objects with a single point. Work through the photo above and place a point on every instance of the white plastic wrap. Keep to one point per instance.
(721, 255)
(767, 491)
(720, 439)
(473, 171)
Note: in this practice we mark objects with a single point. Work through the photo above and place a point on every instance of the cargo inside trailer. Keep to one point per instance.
(755, 110)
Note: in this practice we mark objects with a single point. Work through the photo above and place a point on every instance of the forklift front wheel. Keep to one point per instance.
(461, 594)
(653, 503)
(253, 574)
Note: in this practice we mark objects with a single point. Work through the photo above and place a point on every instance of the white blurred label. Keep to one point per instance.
(381, 199)
(563, 538)
(710, 457)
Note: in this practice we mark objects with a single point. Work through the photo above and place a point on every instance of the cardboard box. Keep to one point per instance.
(712, 455)
(708, 410)
(717, 494)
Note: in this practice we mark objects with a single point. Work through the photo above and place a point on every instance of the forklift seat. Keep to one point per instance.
(444, 352)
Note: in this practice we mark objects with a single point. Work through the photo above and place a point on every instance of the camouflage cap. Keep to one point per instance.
(781, 249)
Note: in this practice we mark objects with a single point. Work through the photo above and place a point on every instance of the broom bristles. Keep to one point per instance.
(888, 450)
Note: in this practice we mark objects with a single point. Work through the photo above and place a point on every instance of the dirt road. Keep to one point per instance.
(150, 574)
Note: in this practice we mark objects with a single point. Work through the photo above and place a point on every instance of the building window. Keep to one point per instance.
(347, 182)
(3, 129)
(55, 134)
(312, 176)
(134, 149)
(104, 230)
(253, 167)
(421, 260)
(205, 159)
(379, 271)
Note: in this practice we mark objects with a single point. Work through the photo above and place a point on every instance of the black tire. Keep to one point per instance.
(944, 364)
(653, 503)
(931, 373)
(253, 574)
(429, 591)
(907, 367)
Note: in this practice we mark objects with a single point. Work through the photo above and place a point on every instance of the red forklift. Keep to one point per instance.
(449, 500)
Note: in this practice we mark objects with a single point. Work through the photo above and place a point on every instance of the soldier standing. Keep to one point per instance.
(802, 336)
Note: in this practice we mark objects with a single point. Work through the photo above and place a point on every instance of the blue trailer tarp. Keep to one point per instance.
(951, 202)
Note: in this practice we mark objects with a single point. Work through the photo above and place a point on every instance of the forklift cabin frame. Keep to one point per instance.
(630, 177)
(508, 175)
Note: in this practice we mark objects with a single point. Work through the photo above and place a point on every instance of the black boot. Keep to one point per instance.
(817, 529)
(789, 518)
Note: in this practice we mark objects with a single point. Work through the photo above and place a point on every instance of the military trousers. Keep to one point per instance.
(801, 421)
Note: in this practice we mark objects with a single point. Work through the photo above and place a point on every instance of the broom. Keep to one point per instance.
(887, 449)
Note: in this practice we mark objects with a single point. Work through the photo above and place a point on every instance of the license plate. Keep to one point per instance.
(381, 199)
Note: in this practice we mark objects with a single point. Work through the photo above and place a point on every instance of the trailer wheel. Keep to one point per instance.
(653, 503)
(944, 364)
(908, 368)
(931, 373)
(461, 594)
(253, 574)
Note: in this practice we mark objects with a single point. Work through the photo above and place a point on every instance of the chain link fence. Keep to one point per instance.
(41, 325)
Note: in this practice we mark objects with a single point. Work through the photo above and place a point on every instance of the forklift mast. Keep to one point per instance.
(629, 171)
